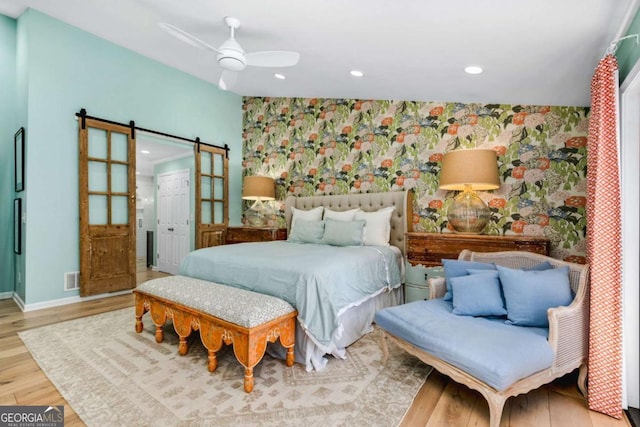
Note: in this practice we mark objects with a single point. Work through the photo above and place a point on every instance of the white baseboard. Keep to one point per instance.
(18, 301)
(6, 295)
(63, 301)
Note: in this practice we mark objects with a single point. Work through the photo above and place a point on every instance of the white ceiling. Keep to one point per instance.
(533, 51)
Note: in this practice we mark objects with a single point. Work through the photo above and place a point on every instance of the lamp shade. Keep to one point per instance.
(258, 187)
(477, 168)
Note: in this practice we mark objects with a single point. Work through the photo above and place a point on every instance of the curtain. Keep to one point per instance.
(604, 243)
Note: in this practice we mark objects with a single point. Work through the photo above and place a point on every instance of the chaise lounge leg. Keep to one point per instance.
(582, 379)
(496, 405)
(248, 380)
(385, 349)
(139, 324)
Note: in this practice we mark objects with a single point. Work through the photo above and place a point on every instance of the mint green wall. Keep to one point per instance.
(69, 69)
(166, 167)
(8, 127)
(628, 51)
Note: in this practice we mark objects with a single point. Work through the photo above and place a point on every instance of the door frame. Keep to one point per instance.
(630, 206)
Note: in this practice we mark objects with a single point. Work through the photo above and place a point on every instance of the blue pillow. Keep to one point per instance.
(529, 294)
(456, 268)
(477, 294)
(307, 231)
(344, 233)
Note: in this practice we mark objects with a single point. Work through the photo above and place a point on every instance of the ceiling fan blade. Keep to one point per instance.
(186, 37)
(272, 58)
(227, 80)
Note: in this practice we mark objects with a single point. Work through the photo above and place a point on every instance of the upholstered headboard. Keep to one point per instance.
(401, 220)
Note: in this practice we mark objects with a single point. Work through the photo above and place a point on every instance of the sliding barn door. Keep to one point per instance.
(107, 207)
(212, 210)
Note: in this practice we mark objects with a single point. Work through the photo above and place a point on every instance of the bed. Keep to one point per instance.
(336, 289)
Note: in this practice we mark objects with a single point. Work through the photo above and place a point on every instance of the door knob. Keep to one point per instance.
(170, 229)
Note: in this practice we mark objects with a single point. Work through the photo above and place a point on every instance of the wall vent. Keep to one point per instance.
(72, 281)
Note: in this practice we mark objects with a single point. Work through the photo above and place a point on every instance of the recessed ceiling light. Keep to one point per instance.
(145, 151)
(356, 73)
(473, 69)
(279, 76)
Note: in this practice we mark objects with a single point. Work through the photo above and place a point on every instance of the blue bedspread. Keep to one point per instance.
(320, 281)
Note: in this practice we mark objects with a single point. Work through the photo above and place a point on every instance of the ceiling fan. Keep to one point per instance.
(231, 57)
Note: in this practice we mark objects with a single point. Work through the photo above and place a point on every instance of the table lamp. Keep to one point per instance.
(258, 188)
(468, 171)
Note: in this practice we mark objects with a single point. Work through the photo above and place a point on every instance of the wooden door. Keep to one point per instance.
(174, 202)
(212, 195)
(107, 207)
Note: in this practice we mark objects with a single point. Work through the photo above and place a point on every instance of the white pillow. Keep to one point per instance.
(340, 215)
(378, 227)
(314, 214)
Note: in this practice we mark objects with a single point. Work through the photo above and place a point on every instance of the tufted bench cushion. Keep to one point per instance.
(244, 308)
(247, 320)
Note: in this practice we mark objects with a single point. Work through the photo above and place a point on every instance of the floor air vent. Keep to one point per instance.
(72, 281)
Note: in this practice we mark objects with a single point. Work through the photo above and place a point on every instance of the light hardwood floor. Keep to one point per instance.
(440, 402)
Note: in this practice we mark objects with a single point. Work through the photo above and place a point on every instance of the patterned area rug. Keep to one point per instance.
(112, 376)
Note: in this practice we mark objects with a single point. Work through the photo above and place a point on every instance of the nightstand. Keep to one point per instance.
(429, 249)
(416, 286)
(255, 234)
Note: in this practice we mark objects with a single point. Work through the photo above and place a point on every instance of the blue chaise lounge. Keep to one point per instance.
(492, 353)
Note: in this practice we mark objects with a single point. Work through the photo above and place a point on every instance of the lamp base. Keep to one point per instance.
(255, 219)
(257, 214)
(468, 214)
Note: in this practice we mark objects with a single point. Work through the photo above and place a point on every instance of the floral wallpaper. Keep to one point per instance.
(337, 146)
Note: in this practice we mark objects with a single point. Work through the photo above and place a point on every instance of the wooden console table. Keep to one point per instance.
(429, 249)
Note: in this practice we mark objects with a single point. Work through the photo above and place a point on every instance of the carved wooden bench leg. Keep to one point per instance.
(183, 347)
(159, 334)
(182, 324)
(139, 324)
(211, 337)
(213, 361)
(288, 338)
(140, 311)
(248, 380)
(290, 356)
(159, 317)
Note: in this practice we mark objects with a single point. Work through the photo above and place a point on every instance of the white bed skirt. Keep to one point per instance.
(355, 322)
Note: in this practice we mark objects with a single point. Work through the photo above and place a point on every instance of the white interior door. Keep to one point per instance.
(173, 219)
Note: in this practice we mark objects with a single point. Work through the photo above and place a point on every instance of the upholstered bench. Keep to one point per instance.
(247, 320)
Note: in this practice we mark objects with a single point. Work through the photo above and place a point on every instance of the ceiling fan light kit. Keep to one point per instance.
(230, 55)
